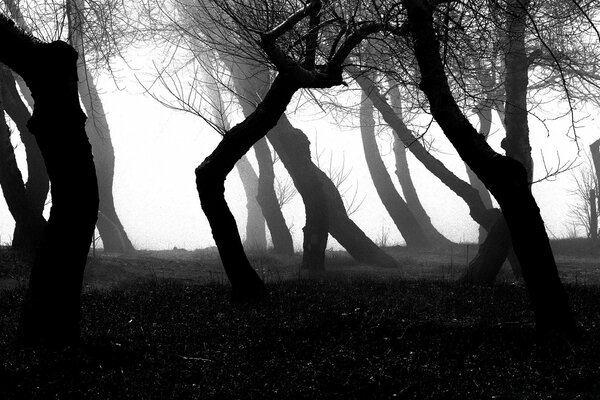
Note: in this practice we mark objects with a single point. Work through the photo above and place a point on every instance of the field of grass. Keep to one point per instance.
(344, 337)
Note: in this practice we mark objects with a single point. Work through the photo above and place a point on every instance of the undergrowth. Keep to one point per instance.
(350, 338)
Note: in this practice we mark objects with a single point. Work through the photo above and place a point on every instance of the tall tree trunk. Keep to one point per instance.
(37, 186)
(210, 179)
(280, 234)
(293, 148)
(394, 204)
(487, 254)
(30, 222)
(114, 237)
(516, 144)
(462, 189)
(284, 138)
(250, 85)
(595, 152)
(51, 311)
(506, 179)
(484, 113)
(406, 182)
(255, 222)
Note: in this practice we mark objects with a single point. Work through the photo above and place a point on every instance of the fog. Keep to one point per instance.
(157, 150)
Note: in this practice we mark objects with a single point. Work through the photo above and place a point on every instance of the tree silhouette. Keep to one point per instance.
(51, 311)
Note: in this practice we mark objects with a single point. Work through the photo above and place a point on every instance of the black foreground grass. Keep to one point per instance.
(345, 338)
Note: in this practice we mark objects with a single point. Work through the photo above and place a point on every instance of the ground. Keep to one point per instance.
(161, 325)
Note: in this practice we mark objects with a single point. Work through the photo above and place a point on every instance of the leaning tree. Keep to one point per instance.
(506, 178)
(307, 47)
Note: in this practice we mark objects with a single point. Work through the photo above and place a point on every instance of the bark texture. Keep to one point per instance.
(506, 179)
(51, 311)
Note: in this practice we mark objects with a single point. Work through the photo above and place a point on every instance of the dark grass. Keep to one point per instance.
(344, 338)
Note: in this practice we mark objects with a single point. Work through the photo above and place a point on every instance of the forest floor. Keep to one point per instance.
(159, 325)
(577, 262)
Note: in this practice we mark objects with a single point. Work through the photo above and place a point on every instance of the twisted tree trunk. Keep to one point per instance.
(210, 179)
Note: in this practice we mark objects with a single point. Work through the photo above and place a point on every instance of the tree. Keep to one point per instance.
(114, 237)
(584, 211)
(324, 206)
(264, 193)
(503, 176)
(51, 311)
(297, 68)
(25, 200)
(403, 218)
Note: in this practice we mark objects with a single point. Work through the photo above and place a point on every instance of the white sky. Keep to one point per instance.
(158, 149)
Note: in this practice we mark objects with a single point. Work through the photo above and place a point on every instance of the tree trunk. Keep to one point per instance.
(478, 211)
(280, 234)
(250, 85)
(406, 182)
(516, 144)
(36, 188)
(30, 222)
(284, 138)
(506, 179)
(593, 216)
(255, 222)
(293, 148)
(210, 178)
(471, 197)
(595, 151)
(484, 113)
(51, 311)
(394, 204)
(114, 240)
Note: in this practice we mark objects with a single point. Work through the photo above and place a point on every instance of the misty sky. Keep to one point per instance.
(158, 149)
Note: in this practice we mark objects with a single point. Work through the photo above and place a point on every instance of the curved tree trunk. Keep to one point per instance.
(479, 213)
(37, 186)
(250, 85)
(114, 240)
(406, 182)
(51, 311)
(210, 179)
(280, 234)
(462, 189)
(256, 238)
(506, 179)
(394, 204)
